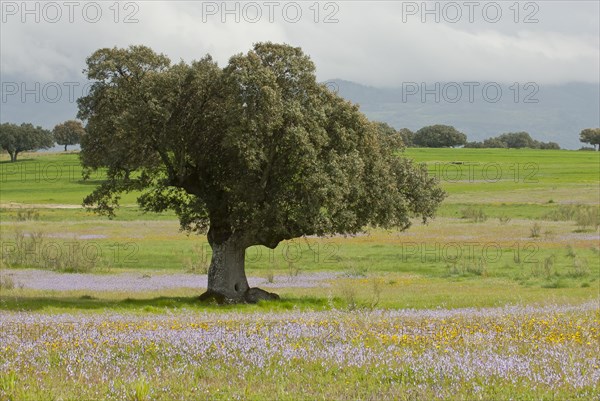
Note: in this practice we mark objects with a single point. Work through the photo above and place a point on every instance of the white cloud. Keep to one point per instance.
(370, 44)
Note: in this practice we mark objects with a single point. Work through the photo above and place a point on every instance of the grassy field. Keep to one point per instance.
(518, 235)
(512, 216)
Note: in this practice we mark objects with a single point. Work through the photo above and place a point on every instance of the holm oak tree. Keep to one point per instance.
(254, 153)
(591, 136)
(22, 138)
(439, 136)
(68, 133)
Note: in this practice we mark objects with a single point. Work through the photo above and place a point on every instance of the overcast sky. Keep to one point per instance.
(374, 43)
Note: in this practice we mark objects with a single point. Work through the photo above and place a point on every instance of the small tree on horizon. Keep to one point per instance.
(25, 137)
(254, 153)
(68, 133)
(591, 136)
(513, 140)
(548, 145)
(517, 140)
(439, 136)
(494, 142)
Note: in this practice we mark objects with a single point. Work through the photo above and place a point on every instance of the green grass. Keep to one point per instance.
(48, 178)
(533, 185)
(396, 291)
(514, 176)
(56, 177)
(452, 262)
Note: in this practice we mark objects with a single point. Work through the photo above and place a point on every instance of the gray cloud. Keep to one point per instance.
(376, 43)
(373, 43)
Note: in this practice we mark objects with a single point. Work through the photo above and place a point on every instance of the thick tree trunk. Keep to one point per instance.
(13, 156)
(226, 275)
(227, 282)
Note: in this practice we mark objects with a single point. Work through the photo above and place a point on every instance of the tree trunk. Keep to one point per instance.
(65, 147)
(226, 275)
(227, 282)
(13, 156)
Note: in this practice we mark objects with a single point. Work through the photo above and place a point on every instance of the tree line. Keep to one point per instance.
(15, 139)
(446, 136)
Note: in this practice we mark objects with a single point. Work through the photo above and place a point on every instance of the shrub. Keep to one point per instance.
(504, 219)
(27, 214)
(587, 217)
(535, 230)
(579, 268)
(544, 267)
(355, 271)
(478, 268)
(293, 270)
(376, 286)
(29, 250)
(474, 215)
(348, 293)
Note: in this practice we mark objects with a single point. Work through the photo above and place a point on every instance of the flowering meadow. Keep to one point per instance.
(512, 352)
(495, 299)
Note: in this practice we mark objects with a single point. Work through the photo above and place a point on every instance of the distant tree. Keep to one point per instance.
(513, 140)
(474, 145)
(517, 140)
(439, 136)
(548, 145)
(254, 153)
(68, 133)
(591, 136)
(494, 143)
(25, 137)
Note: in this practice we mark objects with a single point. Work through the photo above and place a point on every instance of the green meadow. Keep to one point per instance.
(496, 298)
(517, 226)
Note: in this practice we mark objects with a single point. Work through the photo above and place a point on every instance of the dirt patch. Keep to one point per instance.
(13, 205)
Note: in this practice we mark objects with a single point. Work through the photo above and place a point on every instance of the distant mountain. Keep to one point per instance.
(560, 113)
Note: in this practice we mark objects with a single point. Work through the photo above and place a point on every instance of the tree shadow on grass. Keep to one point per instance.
(156, 305)
(19, 160)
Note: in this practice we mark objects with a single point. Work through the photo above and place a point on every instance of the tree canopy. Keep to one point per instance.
(253, 153)
(399, 139)
(517, 140)
(514, 140)
(439, 136)
(68, 133)
(591, 136)
(25, 137)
